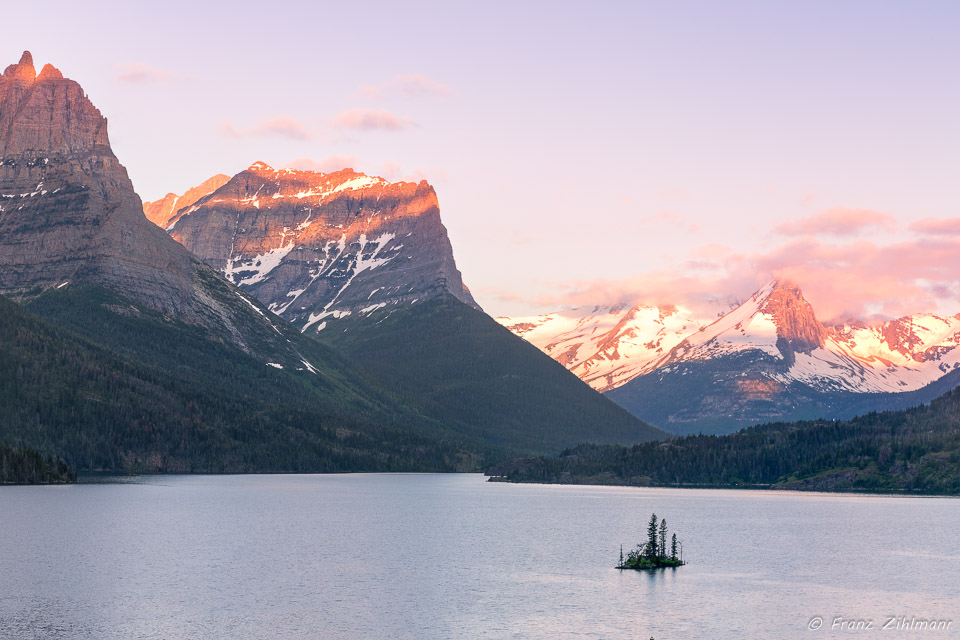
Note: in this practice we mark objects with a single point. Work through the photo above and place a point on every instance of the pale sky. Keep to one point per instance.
(582, 153)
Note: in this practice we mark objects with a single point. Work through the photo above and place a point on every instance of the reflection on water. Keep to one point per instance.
(450, 556)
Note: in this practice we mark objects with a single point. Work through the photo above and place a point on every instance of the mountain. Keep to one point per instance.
(163, 212)
(365, 265)
(916, 450)
(768, 359)
(607, 346)
(318, 247)
(129, 353)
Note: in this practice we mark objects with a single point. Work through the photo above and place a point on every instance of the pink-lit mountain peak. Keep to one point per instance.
(775, 325)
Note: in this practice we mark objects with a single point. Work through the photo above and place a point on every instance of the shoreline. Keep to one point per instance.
(736, 487)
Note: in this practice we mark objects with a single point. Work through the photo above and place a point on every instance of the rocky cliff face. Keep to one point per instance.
(163, 212)
(318, 247)
(798, 330)
(69, 215)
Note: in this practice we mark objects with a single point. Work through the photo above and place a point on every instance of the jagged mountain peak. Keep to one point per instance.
(48, 114)
(70, 219)
(25, 72)
(22, 71)
(798, 330)
(260, 167)
(776, 320)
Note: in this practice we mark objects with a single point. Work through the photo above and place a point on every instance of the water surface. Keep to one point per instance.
(451, 556)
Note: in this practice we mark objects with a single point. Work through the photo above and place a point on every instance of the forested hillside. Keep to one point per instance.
(127, 389)
(913, 450)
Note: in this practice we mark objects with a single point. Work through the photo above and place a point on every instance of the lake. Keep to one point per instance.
(426, 556)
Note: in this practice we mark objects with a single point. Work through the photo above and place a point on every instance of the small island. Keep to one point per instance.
(653, 554)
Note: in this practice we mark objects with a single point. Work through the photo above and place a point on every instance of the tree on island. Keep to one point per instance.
(663, 538)
(652, 537)
(653, 553)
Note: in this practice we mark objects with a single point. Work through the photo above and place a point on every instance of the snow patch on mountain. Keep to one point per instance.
(259, 266)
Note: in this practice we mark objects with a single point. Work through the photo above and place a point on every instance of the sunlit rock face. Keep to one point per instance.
(68, 211)
(69, 215)
(318, 247)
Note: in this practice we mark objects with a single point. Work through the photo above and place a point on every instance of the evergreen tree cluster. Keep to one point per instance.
(913, 450)
(653, 553)
(26, 466)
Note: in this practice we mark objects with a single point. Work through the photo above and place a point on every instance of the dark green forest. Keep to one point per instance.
(459, 366)
(135, 391)
(914, 450)
(25, 466)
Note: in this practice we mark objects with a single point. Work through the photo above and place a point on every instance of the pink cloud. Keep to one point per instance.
(839, 221)
(370, 91)
(417, 84)
(325, 165)
(857, 279)
(937, 226)
(281, 127)
(412, 85)
(139, 73)
(371, 120)
(394, 171)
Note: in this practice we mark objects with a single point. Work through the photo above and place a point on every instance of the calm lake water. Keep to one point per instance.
(452, 556)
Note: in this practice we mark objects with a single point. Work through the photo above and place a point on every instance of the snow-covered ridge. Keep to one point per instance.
(609, 346)
(292, 183)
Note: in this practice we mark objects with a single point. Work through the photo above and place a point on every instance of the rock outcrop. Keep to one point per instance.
(798, 330)
(317, 247)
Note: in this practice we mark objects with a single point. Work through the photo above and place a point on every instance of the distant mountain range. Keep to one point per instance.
(767, 359)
